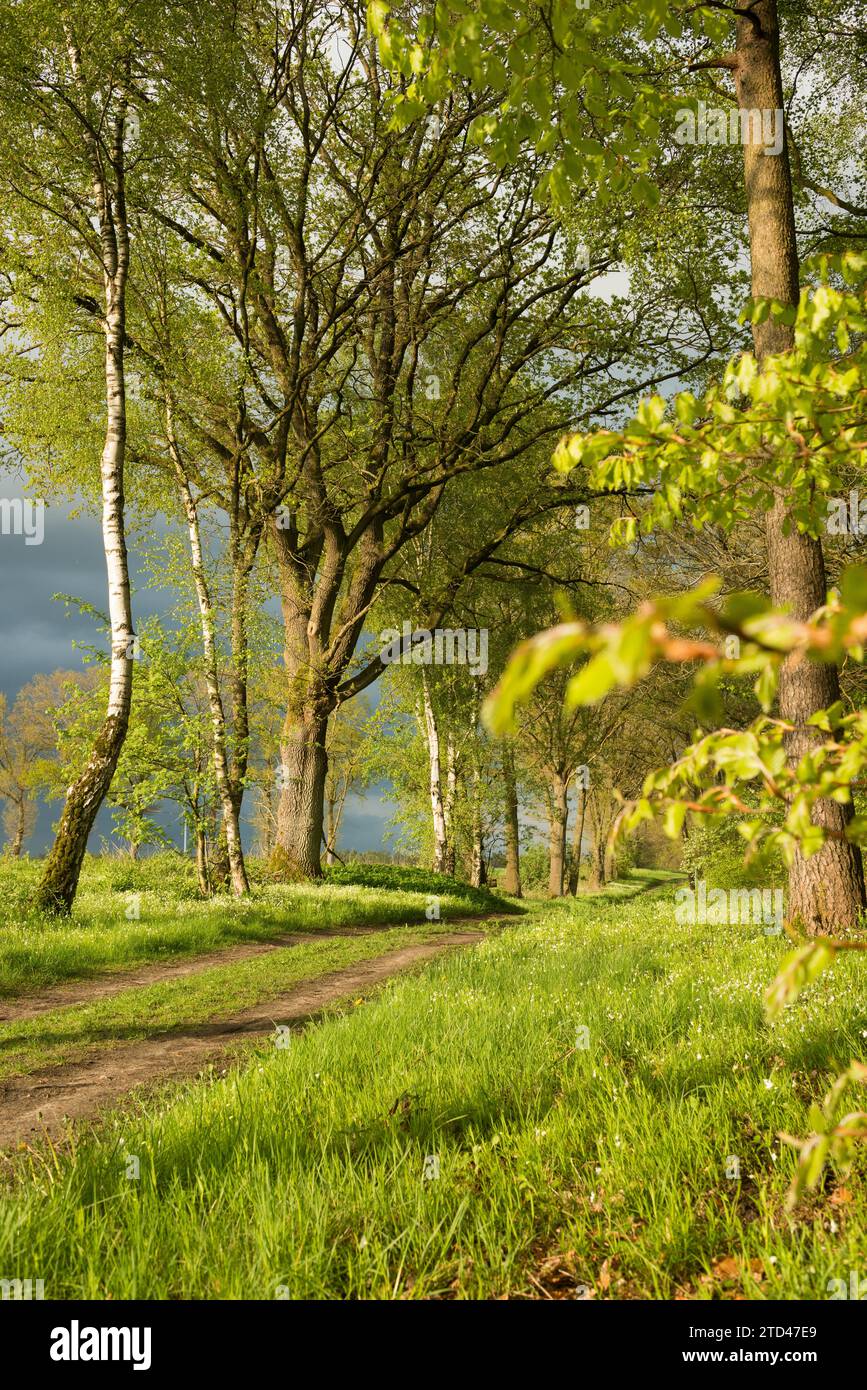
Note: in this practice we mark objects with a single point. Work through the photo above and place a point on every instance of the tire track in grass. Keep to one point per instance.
(45, 1102)
(88, 991)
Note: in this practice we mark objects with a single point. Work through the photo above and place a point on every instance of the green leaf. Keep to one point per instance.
(675, 814)
(593, 682)
(799, 969)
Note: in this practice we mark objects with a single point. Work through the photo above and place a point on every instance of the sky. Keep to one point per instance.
(39, 633)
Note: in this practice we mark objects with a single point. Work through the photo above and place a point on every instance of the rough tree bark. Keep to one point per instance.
(478, 867)
(246, 537)
(512, 872)
(309, 704)
(598, 875)
(304, 766)
(826, 890)
(20, 822)
(577, 837)
(449, 803)
(558, 817)
(202, 862)
(600, 822)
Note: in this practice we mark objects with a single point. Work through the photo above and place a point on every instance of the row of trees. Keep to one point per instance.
(337, 300)
(462, 797)
(343, 345)
(717, 470)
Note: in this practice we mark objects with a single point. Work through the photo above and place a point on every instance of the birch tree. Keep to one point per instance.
(67, 79)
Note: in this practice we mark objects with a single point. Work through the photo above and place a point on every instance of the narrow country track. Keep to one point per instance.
(44, 1103)
(87, 991)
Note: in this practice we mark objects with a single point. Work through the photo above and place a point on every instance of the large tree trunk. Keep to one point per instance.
(512, 872)
(304, 765)
(438, 815)
(57, 888)
(229, 801)
(600, 822)
(826, 890)
(449, 803)
(243, 553)
(598, 862)
(478, 867)
(559, 812)
(577, 837)
(310, 699)
(219, 869)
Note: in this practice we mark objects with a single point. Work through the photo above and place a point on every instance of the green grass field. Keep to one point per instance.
(455, 1138)
(69, 1033)
(130, 914)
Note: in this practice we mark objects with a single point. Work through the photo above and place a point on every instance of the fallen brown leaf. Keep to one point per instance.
(840, 1196)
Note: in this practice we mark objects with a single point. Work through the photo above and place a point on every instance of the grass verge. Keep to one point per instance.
(128, 914)
(70, 1033)
(558, 1167)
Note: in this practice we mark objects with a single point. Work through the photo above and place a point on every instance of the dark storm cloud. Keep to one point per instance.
(37, 632)
(364, 821)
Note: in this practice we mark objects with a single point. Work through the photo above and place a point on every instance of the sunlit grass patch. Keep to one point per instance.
(129, 913)
(304, 1173)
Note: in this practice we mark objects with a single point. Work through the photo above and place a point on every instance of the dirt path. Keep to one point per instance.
(87, 991)
(42, 1103)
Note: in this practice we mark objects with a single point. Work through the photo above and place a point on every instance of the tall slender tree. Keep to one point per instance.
(67, 80)
(829, 886)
